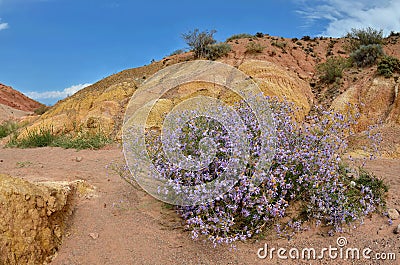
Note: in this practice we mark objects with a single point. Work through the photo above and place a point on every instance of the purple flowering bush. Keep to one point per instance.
(307, 170)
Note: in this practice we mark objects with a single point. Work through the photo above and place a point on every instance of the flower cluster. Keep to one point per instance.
(306, 169)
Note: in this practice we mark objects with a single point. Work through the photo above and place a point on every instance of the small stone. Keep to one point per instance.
(397, 230)
(78, 159)
(57, 231)
(393, 214)
(94, 235)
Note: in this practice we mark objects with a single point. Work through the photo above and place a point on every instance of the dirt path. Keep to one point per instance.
(123, 225)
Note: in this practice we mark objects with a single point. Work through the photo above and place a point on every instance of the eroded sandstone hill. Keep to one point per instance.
(15, 99)
(284, 67)
(14, 104)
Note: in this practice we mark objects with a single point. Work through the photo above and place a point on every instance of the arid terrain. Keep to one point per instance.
(14, 105)
(116, 222)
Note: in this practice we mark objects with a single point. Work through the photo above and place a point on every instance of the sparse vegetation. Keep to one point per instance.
(41, 110)
(367, 55)
(45, 136)
(239, 36)
(259, 35)
(306, 38)
(332, 69)
(176, 52)
(279, 44)
(378, 186)
(7, 128)
(254, 47)
(215, 51)
(199, 41)
(87, 140)
(42, 137)
(394, 34)
(388, 65)
(363, 37)
(204, 45)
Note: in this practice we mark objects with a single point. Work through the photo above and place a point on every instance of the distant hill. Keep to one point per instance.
(15, 99)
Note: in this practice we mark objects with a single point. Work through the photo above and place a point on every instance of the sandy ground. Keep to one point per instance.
(121, 224)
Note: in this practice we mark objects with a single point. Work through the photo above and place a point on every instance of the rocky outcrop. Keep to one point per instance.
(274, 80)
(32, 219)
(378, 104)
(376, 100)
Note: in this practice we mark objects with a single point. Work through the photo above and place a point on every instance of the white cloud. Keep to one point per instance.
(69, 91)
(3, 26)
(343, 15)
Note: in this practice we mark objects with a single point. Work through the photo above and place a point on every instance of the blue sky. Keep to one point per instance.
(51, 48)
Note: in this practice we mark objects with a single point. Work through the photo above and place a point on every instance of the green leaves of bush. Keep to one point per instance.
(367, 55)
(239, 36)
(215, 51)
(363, 37)
(199, 41)
(204, 45)
(254, 47)
(7, 128)
(388, 65)
(45, 136)
(332, 69)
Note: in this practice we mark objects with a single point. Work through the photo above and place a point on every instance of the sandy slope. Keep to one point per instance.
(8, 113)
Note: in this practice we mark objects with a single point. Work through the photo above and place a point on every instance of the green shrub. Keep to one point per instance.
(45, 136)
(306, 38)
(332, 69)
(41, 110)
(7, 128)
(176, 52)
(215, 51)
(199, 41)
(279, 44)
(239, 36)
(377, 186)
(363, 37)
(388, 65)
(259, 35)
(82, 141)
(253, 47)
(366, 55)
(394, 34)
